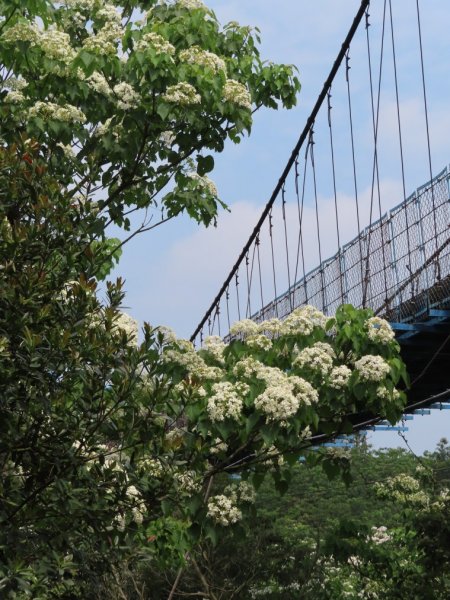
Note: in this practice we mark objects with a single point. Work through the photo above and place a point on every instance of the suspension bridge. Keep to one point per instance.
(339, 177)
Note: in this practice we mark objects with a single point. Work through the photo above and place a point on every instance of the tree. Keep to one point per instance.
(383, 535)
(108, 447)
(124, 98)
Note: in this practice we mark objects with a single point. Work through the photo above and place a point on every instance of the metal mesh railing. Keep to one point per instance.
(398, 266)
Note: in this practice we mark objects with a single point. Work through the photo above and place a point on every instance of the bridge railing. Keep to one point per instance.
(397, 266)
(337, 183)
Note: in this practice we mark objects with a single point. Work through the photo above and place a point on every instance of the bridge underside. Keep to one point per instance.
(424, 337)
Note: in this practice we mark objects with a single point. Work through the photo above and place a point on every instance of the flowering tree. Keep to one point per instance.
(127, 97)
(256, 401)
(410, 560)
(109, 448)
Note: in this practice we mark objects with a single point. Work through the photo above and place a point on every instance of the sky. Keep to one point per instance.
(173, 272)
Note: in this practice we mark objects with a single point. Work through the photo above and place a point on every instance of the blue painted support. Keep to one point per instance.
(402, 327)
(440, 406)
(390, 428)
(443, 314)
(422, 411)
(427, 326)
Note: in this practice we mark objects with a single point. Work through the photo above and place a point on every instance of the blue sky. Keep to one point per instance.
(173, 273)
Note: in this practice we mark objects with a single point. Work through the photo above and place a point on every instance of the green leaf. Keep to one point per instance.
(86, 58)
(163, 110)
(211, 534)
(205, 164)
(252, 420)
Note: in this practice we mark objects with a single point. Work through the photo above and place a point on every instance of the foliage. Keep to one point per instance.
(324, 540)
(120, 103)
(109, 448)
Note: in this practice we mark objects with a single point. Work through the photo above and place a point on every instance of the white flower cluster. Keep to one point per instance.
(208, 60)
(354, 561)
(127, 96)
(384, 394)
(16, 83)
(218, 446)
(4, 341)
(128, 325)
(283, 394)
(272, 376)
(153, 467)
(259, 342)
(194, 364)
(187, 482)
(81, 4)
(304, 391)
(404, 489)
(302, 320)
(247, 367)
(379, 330)
(379, 535)
(244, 328)
(105, 128)
(106, 39)
(297, 323)
(169, 335)
(66, 112)
(204, 182)
(270, 327)
(215, 346)
(109, 13)
(183, 345)
(442, 501)
(223, 511)
(73, 18)
(138, 509)
(15, 94)
(318, 357)
(236, 93)
(182, 93)
(404, 483)
(339, 377)
(190, 4)
(282, 398)
(167, 138)
(56, 45)
(156, 42)
(242, 492)
(278, 403)
(272, 455)
(67, 149)
(226, 401)
(22, 31)
(372, 368)
(14, 97)
(174, 437)
(97, 82)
